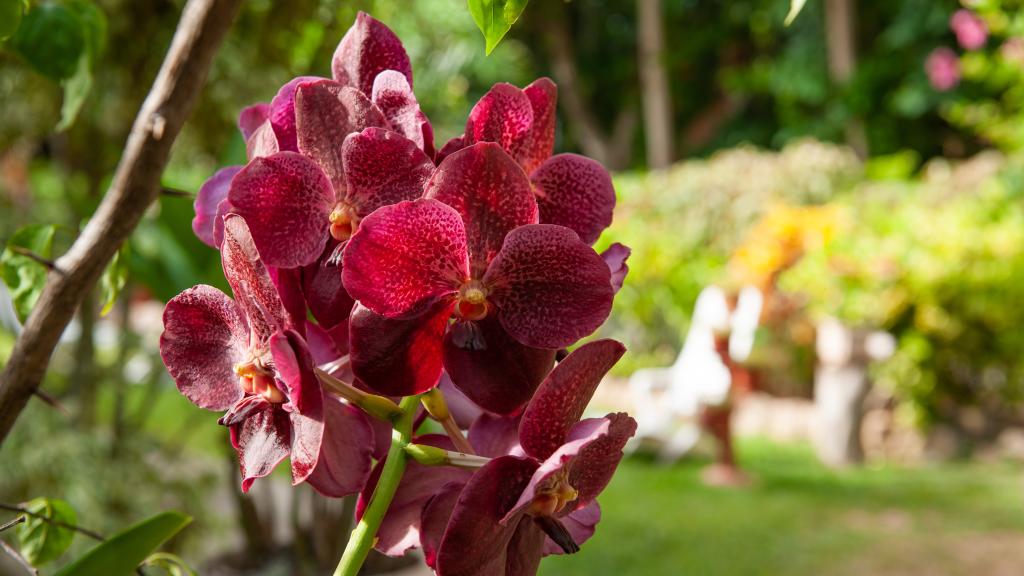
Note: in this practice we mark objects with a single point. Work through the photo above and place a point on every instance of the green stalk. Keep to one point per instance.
(365, 533)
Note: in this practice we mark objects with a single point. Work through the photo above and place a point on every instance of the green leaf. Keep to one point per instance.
(24, 276)
(51, 39)
(43, 541)
(795, 6)
(77, 88)
(495, 18)
(125, 551)
(11, 12)
(170, 564)
(113, 279)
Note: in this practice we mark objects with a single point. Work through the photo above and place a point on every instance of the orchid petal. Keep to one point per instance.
(262, 142)
(210, 195)
(543, 95)
(615, 257)
(581, 525)
(495, 436)
(450, 147)
(504, 116)
(325, 113)
(345, 455)
(254, 291)
(383, 167)
(252, 117)
(393, 95)
(550, 288)
(564, 394)
(406, 257)
(325, 295)
(576, 192)
(286, 199)
(204, 337)
(397, 357)
(262, 441)
(434, 520)
(368, 48)
(491, 193)
(282, 113)
(462, 409)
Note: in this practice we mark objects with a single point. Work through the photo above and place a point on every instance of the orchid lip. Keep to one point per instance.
(553, 499)
(255, 378)
(558, 533)
(472, 301)
(343, 221)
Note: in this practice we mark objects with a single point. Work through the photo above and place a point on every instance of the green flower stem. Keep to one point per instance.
(365, 533)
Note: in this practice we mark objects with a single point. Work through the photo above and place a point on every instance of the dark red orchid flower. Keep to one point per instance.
(243, 356)
(572, 190)
(517, 509)
(470, 251)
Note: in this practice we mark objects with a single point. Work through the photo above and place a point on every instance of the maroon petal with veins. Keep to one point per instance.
(476, 541)
(294, 366)
(587, 461)
(210, 195)
(204, 337)
(262, 142)
(462, 409)
(218, 221)
(543, 95)
(286, 199)
(322, 344)
(252, 117)
(615, 257)
(399, 532)
(282, 112)
(576, 192)
(450, 147)
(494, 436)
(581, 525)
(262, 441)
(563, 396)
(494, 370)
(436, 514)
(393, 95)
(383, 167)
(288, 282)
(254, 291)
(491, 193)
(368, 48)
(406, 257)
(325, 113)
(550, 288)
(504, 116)
(397, 357)
(346, 453)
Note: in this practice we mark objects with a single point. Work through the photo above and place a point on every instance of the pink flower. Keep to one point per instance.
(943, 68)
(971, 31)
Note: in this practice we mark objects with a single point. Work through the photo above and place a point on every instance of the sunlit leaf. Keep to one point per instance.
(495, 18)
(795, 6)
(11, 12)
(51, 39)
(42, 541)
(170, 564)
(125, 551)
(113, 279)
(77, 87)
(23, 275)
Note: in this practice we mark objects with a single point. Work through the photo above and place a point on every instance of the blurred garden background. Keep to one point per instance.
(860, 166)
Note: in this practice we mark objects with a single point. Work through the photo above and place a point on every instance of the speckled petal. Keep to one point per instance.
(346, 453)
(576, 192)
(252, 117)
(282, 113)
(210, 195)
(286, 199)
(543, 95)
(325, 113)
(397, 357)
(491, 193)
(450, 147)
(550, 288)
(383, 167)
(262, 142)
(406, 257)
(564, 394)
(204, 337)
(254, 292)
(476, 541)
(494, 370)
(262, 441)
(504, 116)
(393, 95)
(368, 48)
(615, 257)
(400, 530)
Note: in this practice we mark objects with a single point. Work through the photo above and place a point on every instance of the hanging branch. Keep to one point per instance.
(136, 184)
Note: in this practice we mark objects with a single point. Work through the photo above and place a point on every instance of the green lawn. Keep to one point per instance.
(799, 518)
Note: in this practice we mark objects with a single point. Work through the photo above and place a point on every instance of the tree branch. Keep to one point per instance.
(135, 185)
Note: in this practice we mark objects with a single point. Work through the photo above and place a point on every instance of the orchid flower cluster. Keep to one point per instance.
(377, 282)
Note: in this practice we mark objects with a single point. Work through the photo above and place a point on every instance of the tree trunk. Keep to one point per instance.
(655, 89)
(840, 35)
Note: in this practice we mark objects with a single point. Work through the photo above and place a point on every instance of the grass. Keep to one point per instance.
(802, 519)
